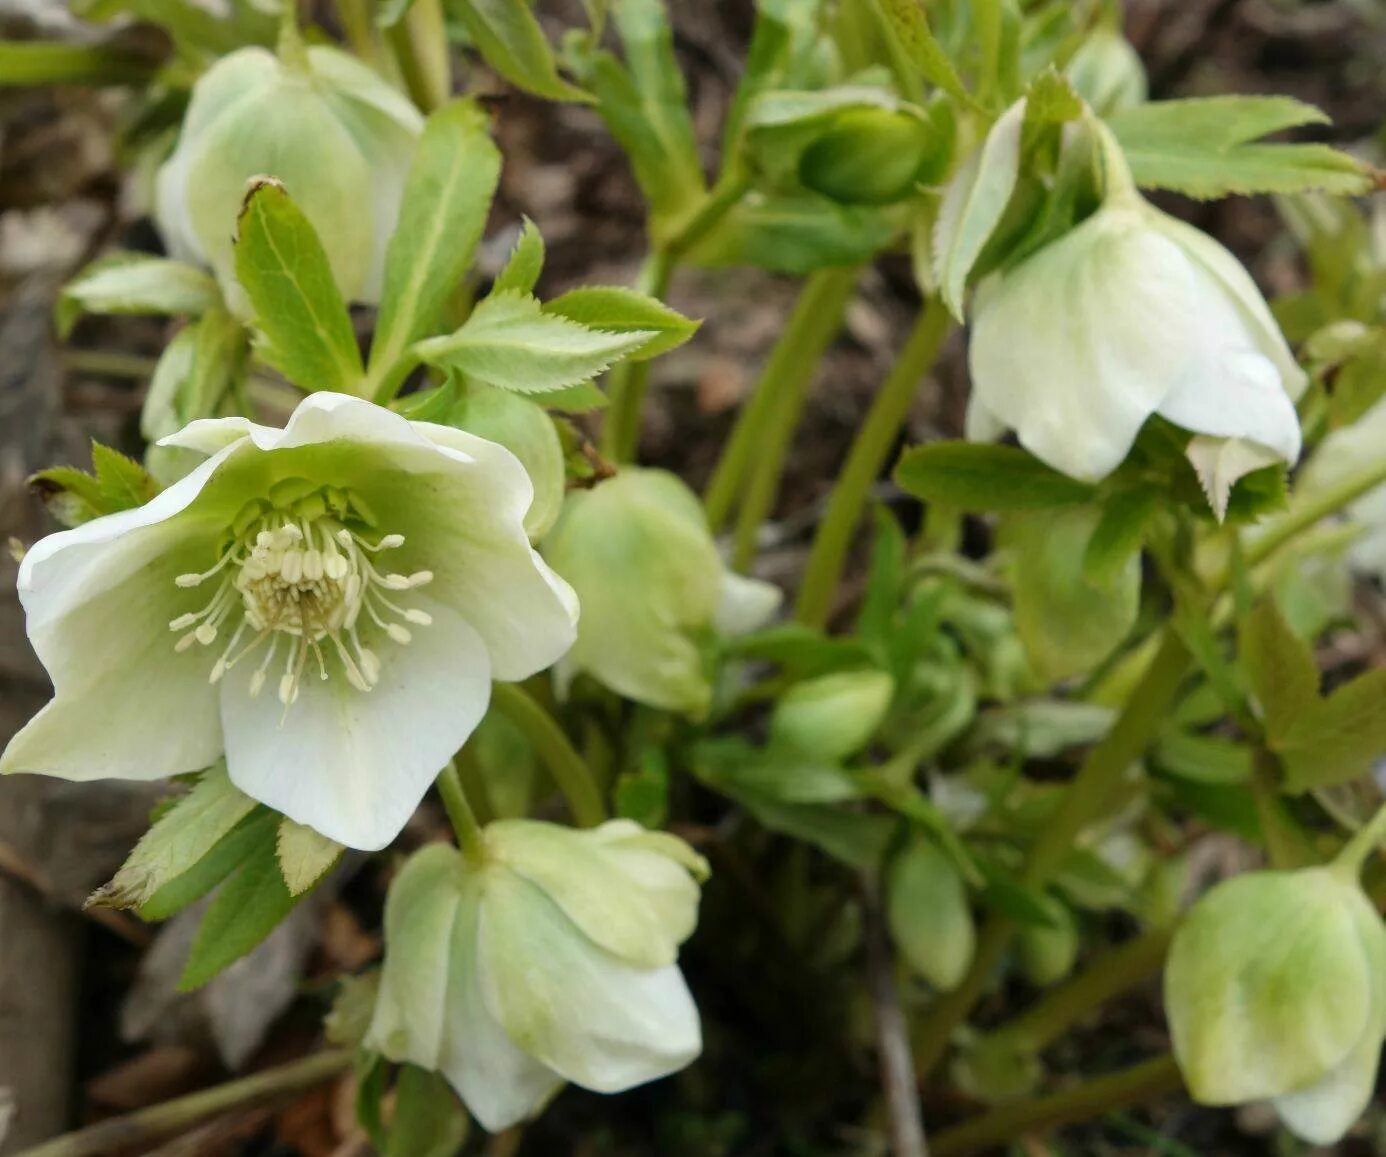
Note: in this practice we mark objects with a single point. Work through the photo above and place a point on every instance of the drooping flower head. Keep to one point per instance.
(334, 133)
(553, 960)
(325, 604)
(1131, 314)
(638, 551)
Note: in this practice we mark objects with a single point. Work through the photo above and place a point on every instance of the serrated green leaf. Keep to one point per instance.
(979, 477)
(1337, 739)
(305, 856)
(1280, 668)
(124, 483)
(508, 35)
(247, 907)
(303, 329)
(131, 283)
(70, 495)
(181, 837)
(1202, 147)
(906, 18)
(1051, 100)
(510, 343)
(447, 197)
(796, 234)
(220, 861)
(614, 309)
(1120, 532)
(974, 204)
(526, 263)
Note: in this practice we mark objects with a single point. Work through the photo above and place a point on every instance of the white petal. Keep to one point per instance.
(980, 424)
(1232, 277)
(352, 764)
(1327, 1109)
(597, 1021)
(1078, 345)
(208, 435)
(598, 889)
(430, 1012)
(98, 600)
(746, 604)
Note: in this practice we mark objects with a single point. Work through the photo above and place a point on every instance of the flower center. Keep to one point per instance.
(295, 586)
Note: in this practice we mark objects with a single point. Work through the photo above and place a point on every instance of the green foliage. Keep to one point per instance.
(446, 200)
(116, 483)
(928, 913)
(131, 283)
(509, 37)
(922, 49)
(615, 309)
(1205, 147)
(979, 477)
(428, 1121)
(302, 326)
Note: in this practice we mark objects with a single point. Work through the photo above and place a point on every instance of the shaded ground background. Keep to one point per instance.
(89, 1022)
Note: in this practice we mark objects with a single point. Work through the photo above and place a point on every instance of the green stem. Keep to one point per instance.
(420, 46)
(460, 814)
(784, 386)
(811, 325)
(292, 53)
(1088, 797)
(140, 1129)
(865, 460)
(1364, 842)
(1108, 976)
(569, 772)
(629, 381)
(1311, 512)
(1143, 1082)
(359, 29)
(31, 63)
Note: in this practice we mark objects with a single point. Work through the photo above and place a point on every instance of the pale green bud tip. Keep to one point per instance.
(834, 715)
(1274, 989)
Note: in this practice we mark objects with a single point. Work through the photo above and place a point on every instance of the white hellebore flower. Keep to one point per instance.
(1130, 314)
(325, 604)
(338, 136)
(552, 960)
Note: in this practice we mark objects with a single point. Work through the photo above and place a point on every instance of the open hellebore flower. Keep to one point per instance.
(337, 135)
(639, 554)
(553, 960)
(1130, 314)
(1276, 989)
(326, 604)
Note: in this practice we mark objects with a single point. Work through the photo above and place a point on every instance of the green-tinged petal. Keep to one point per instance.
(596, 1020)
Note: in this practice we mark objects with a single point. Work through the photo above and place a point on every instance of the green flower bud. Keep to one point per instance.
(875, 156)
(1276, 988)
(336, 134)
(552, 960)
(526, 431)
(1047, 952)
(833, 716)
(1108, 73)
(637, 550)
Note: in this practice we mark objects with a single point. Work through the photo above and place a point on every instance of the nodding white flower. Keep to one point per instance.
(325, 604)
(1130, 314)
(552, 960)
(338, 136)
(638, 551)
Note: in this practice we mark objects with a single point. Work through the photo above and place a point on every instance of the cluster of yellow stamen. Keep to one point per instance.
(303, 583)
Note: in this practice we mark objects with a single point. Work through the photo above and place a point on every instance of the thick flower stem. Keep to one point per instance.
(569, 772)
(1367, 839)
(1108, 976)
(787, 395)
(1133, 1086)
(629, 381)
(1087, 798)
(142, 1128)
(864, 462)
(292, 52)
(788, 370)
(460, 814)
(420, 44)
